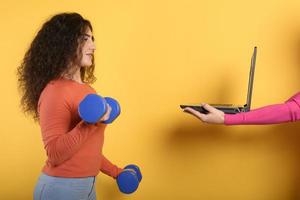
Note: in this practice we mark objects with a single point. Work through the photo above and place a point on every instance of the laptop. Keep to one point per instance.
(230, 108)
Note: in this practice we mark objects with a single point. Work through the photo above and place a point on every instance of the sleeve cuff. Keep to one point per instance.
(233, 119)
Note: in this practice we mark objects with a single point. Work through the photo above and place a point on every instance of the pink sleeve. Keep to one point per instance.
(272, 114)
(109, 169)
(60, 142)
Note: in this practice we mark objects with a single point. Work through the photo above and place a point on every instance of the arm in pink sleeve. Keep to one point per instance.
(272, 114)
(60, 142)
(109, 169)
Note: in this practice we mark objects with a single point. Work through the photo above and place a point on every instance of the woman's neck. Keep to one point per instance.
(75, 76)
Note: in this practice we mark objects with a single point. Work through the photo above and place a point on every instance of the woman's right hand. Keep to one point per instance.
(106, 115)
(214, 116)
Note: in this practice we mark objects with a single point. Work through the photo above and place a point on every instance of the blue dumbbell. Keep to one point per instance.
(128, 180)
(93, 107)
(136, 169)
(115, 110)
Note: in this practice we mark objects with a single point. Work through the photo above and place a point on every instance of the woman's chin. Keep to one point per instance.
(86, 65)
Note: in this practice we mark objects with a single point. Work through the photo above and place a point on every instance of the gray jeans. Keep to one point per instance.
(59, 188)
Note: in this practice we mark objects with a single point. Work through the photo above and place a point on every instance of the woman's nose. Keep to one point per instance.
(93, 45)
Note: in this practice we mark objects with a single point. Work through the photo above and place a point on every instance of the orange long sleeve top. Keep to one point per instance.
(73, 147)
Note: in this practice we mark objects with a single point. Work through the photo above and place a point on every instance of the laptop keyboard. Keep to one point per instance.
(221, 104)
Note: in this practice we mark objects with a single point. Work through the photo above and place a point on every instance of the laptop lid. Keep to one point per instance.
(251, 78)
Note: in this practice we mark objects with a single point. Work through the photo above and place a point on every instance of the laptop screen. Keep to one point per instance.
(251, 78)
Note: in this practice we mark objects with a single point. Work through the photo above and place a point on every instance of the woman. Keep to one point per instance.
(54, 77)
(288, 111)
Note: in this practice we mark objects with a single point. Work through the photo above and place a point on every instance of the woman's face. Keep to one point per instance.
(88, 48)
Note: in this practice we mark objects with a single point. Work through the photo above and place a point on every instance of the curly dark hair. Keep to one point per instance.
(55, 46)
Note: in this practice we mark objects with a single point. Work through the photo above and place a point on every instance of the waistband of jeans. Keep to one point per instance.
(66, 180)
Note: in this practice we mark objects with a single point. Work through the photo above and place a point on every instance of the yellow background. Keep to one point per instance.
(153, 56)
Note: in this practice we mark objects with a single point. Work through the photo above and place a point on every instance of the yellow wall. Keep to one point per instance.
(153, 56)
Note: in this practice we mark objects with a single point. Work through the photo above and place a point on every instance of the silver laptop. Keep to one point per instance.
(230, 108)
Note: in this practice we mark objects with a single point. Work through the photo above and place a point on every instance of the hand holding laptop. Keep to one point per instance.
(213, 115)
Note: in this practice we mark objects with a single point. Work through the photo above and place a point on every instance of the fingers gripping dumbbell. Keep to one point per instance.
(128, 180)
(93, 107)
